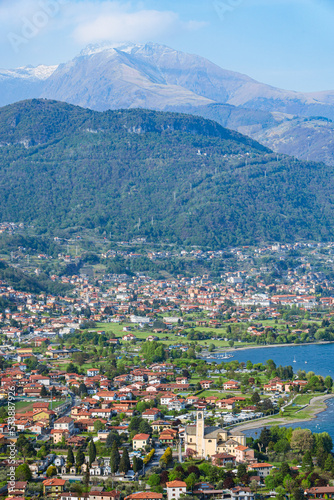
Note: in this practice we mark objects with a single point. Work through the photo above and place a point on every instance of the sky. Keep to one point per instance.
(284, 43)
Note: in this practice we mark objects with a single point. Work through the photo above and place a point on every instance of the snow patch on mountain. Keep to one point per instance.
(41, 72)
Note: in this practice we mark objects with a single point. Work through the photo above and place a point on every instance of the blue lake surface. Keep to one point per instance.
(324, 422)
(319, 358)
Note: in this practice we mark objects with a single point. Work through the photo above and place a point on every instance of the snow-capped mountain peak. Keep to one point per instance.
(95, 48)
(41, 72)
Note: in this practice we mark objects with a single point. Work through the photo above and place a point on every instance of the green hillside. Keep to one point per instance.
(140, 173)
(25, 283)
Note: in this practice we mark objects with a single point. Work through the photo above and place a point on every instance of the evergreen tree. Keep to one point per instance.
(255, 398)
(70, 456)
(329, 462)
(144, 427)
(91, 452)
(43, 392)
(134, 424)
(242, 470)
(124, 464)
(284, 469)
(307, 464)
(112, 436)
(265, 437)
(114, 458)
(82, 389)
(87, 478)
(80, 458)
(135, 464)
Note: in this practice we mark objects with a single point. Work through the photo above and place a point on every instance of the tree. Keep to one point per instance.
(167, 457)
(82, 389)
(137, 464)
(91, 452)
(191, 480)
(298, 493)
(114, 458)
(323, 441)
(177, 473)
(23, 473)
(154, 480)
(42, 452)
(242, 470)
(284, 469)
(134, 424)
(307, 464)
(124, 464)
(80, 459)
(43, 392)
(112, 436)
(71, 368)
(145, 428)
(302, 440)
(282, 446)
(270, 482)
(98, 426)
(265, 437)
(87, 478)
(289, 484)
(70, 456)
(25, 447)
(328, 382)
(254, 486)
(255, 398)
(51, 471)
(271, 365)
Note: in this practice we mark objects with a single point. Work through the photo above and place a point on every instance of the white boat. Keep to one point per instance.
(294, 359)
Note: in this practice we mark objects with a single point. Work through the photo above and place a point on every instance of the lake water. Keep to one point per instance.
(324, 422)
(318, 358)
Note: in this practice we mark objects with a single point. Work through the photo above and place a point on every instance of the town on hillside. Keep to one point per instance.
(125, 385)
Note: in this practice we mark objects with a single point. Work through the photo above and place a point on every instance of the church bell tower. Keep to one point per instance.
(200, 434)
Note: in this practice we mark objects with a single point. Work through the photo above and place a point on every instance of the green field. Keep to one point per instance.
(23, 406)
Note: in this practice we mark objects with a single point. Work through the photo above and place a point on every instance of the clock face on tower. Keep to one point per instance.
(199, 415)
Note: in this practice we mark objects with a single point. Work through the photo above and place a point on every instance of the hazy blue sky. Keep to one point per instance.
(286, 43)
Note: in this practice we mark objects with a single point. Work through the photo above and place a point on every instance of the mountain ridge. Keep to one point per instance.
(164, 176)
(154, 76)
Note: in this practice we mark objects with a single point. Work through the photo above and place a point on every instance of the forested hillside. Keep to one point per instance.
(164, 176)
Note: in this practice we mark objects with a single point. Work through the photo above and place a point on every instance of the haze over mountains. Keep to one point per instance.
(156, 77)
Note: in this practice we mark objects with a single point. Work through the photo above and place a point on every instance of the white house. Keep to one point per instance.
(64, 424)
(175, 489)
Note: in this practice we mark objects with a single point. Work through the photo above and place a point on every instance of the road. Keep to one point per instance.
(155, 461)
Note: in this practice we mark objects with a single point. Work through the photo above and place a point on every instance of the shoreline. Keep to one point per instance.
(237, 349)
(277, 420)
(323, 342)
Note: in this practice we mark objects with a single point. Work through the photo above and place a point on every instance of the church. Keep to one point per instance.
(208, 441)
